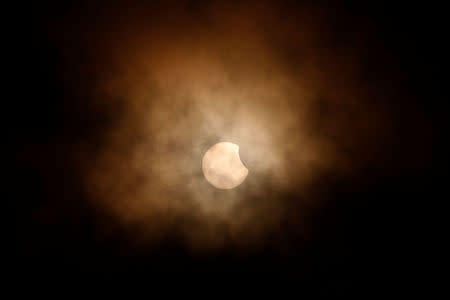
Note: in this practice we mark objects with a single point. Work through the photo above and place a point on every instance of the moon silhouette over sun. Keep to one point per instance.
(223, 167)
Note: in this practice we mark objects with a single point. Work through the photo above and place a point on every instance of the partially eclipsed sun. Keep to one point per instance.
(222, 166)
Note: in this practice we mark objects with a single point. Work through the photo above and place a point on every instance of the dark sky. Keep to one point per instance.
(337, 109)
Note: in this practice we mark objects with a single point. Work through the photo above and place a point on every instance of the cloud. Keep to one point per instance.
(174, 80)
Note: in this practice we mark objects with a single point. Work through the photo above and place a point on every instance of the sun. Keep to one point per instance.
(222, 166)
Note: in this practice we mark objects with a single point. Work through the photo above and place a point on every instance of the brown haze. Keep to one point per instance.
(172, 80)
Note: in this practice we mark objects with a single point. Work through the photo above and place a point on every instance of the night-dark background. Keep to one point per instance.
(367, 236)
